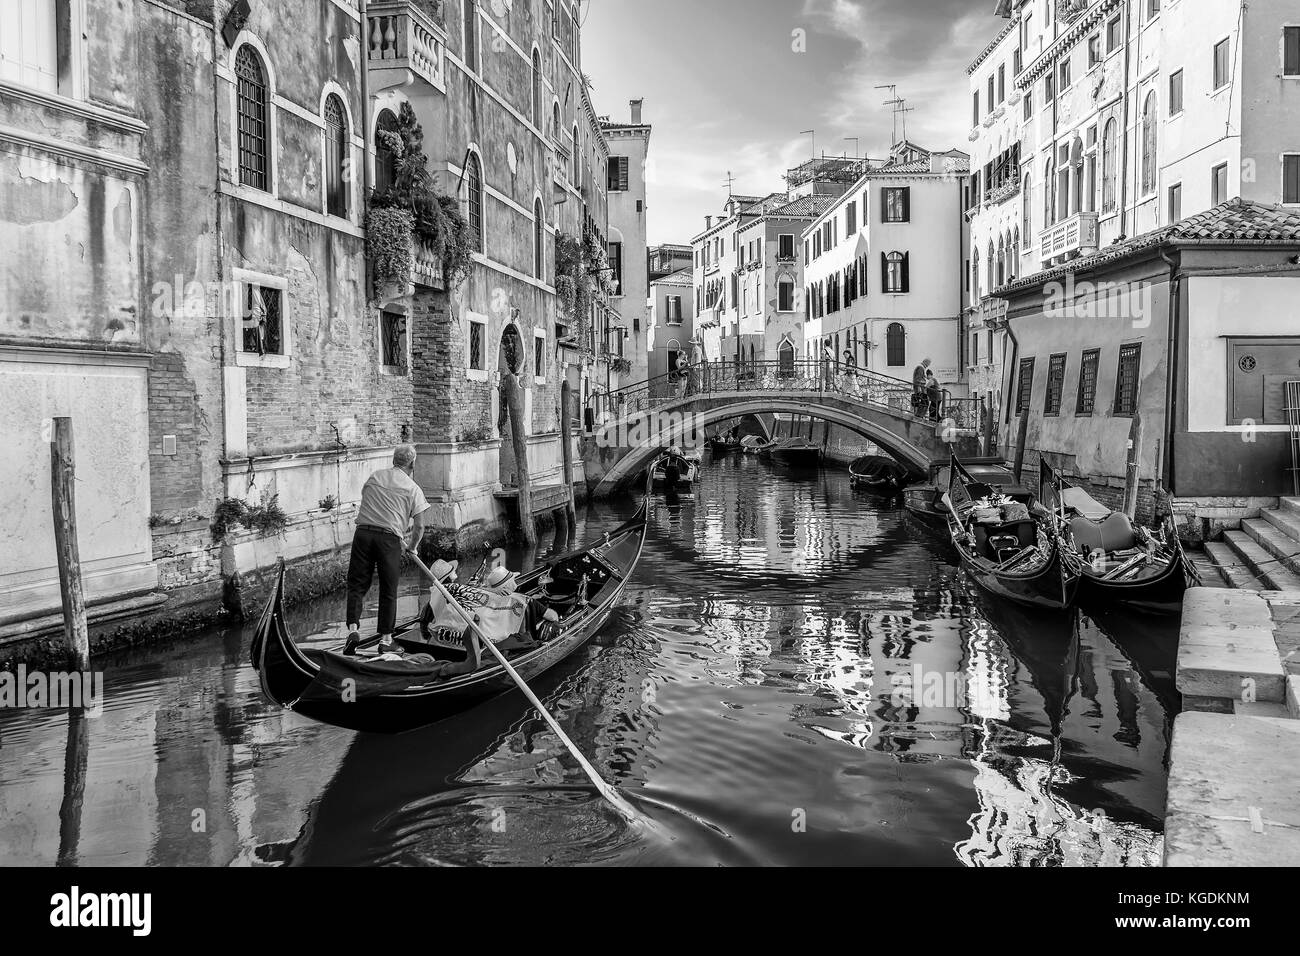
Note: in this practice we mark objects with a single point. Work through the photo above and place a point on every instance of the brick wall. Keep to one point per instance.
(176, 481)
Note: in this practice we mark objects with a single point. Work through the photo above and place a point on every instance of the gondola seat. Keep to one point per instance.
(1112, 533)
(1001, 541)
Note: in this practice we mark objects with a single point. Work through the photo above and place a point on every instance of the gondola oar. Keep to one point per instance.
(604, 789)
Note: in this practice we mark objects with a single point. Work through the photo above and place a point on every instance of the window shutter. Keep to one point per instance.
(906, 271)
(884, 272)
(907, 204)
(622, 172)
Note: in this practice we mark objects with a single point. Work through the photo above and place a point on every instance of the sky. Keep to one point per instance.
(726, 90)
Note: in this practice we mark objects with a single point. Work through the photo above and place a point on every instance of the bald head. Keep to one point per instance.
(403, 456)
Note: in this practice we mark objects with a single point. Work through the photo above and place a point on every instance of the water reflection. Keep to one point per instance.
(796, 676)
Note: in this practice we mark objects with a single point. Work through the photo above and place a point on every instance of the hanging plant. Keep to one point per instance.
(621, 365)
(388, 245)
(582, 279)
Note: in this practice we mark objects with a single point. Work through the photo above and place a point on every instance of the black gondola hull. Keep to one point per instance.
(1160, 593)
(1051, 588)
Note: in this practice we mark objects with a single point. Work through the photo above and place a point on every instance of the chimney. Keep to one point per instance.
(636, 111)
(708, 222)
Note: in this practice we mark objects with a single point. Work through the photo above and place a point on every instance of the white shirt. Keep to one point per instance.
(390, 499)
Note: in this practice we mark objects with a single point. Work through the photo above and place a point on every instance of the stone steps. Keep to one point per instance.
(1229, 568)
(1291, 505)
(1287, 522)
(1260, 562)
(1226, 650)
(1284, 551)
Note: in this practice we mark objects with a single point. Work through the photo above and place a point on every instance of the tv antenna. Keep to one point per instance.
(730, 179)
(898, 108)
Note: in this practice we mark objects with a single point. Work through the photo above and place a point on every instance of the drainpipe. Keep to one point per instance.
(1123, 176)
(367, 138)
(1171, 372)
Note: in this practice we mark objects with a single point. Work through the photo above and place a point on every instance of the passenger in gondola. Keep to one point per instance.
(501, 580)
(390, 522)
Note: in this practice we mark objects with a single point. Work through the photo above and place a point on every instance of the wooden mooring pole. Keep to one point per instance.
(1134, 459)
(566, 450)
(513, 400)
(1021, 435)
(62, 476)
(986, 409)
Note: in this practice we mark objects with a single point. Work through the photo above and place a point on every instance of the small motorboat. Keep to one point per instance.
(924, 500)
(1121, 563)
(1008, 547)
(878, 474)
(796, 452)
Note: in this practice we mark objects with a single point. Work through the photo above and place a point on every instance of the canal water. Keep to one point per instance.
(799, 674)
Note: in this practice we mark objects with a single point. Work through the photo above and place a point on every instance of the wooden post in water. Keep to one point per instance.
(566, 452)
(511, 394)
(1131, 465)
(1021, 435)
(987, 423)
(62, 475)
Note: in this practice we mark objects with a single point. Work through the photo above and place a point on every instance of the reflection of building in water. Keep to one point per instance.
(1020, 821)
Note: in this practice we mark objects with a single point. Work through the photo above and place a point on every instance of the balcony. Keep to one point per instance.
(426, 266)
(403, 36)
(1000, 194)
(1076, 234)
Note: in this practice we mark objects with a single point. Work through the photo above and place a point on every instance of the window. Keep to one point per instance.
(555, 122)
(29, 45)
(577, 158)
(896, 201)
(1291, 51)
(1126, 379)
(616, 267)
(1108, 167)
(1063, 73)
(991, 98)
(1149, 144)
(851, 217)
(975, 108)
(1114, 36)
(477, 332)
(537, 89)
(385, 158)
(895, 272)
(1094, 50)
(392, 334)
(1025, 384)
(1218, 184)
(1175, 202)
(336, 157)
(785, 294)
(1221, 69)
(673, 308)
(1049, 89)
(263, 326)
(1049, 194)
(539, 357)
(1175, 92)
(895, 345)
(974, 348)
(806, 245)
(1055, 385)
(474, 197)
(1002, 82)
(1087, 382)
(1029, 103)
(539, 240)
(1153, 7)
(469, 14)
(1258, 370)
(1291, 178)
(785, 246)
(616, 179)
(251, 116)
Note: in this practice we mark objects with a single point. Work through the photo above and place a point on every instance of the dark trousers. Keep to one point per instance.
(374, 549)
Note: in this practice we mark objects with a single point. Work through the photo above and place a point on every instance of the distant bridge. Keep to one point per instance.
(637, 421)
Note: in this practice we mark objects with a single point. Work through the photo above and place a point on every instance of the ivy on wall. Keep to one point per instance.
(582, 279)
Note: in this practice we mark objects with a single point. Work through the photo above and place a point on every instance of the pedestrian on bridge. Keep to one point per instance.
(919, 397)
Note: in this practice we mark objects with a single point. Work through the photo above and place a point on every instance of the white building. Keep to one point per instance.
(629, 144)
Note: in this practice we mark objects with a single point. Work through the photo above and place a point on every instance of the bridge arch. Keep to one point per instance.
(911, 441)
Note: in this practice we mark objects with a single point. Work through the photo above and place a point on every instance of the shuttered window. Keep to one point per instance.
(617, 180)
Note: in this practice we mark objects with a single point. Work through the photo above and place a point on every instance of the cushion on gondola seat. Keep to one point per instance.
(1113, 533)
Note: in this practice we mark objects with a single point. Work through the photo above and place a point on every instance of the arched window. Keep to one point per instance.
(385, 158)
(577, 158)
(537, 89)
(1027, 206)
(1014, 264)
(895, 278)
(1149, 144)
(785, 356)
(555, 122)
(336, 157)
(251, 100)
(1108, 167)
(895, 345)
(539, 240)
(974, 276)
(474, 200)
(1049, 194)
(992, 267)
(1002, 264)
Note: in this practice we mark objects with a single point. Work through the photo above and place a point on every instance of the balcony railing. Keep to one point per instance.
(1078, 233)
(426, 266)
(401, 35)
(1000, 194)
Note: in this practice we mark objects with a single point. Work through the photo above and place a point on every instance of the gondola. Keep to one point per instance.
(1007, 548)
(796, 453)
(924, 500)
(675, 472)
(1121, 563)
(754, 445)
(582, 586)
(878, 474)
(720, 445)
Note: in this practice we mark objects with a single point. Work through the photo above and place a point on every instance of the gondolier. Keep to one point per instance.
(390, 521)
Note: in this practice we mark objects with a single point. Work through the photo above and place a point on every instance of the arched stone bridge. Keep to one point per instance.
(641, 419)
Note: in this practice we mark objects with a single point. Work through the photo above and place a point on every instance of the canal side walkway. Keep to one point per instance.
(1234, 764)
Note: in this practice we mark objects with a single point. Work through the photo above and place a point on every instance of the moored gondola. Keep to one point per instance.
(877, 474)
(924, 500)
(1121, 563)
(1007, 548)
(796, 453)
(675, 472)
(392, 696)
(754, 445)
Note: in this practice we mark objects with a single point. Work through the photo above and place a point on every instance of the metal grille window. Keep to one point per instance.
(1126, 379)
(251, 114)
(1087, 382)
(539, 357)
(476, 345)
(474, 180)
(1055, 384)
(336, 158)
(895, 345)
(392, 331)
(263, 325)
(1025, 385)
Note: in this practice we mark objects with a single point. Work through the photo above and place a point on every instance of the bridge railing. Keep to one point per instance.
(799, 375)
